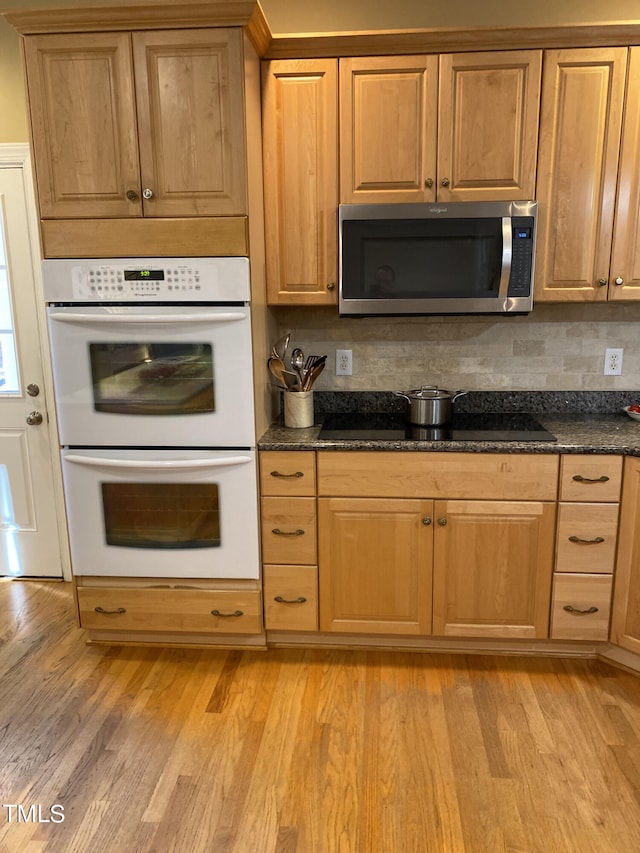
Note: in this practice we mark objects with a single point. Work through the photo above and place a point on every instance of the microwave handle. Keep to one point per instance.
(157, 465)
(507, 254)
(145, 319)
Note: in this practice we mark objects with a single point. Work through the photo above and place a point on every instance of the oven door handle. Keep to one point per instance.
(148, 319)
(158, 465)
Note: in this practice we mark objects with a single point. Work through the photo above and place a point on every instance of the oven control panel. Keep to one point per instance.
(147, 280)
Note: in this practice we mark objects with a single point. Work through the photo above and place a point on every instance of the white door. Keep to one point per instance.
(30, 542)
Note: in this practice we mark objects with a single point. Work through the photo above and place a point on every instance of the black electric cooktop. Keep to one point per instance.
(466, 426)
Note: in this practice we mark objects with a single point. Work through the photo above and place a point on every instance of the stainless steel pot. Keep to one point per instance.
(430, 405)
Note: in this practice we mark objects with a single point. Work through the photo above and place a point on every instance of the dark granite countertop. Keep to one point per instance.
(615, 433)
(585, 430)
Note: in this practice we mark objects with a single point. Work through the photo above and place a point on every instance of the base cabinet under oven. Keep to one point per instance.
(162, 513)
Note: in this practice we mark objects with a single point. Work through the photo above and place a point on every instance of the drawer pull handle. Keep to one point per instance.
(279, 532)
(282, 600)
(596, 541)
(109, 612)
(570, 609)
(286, 476)
(227, 615)
(580, 479)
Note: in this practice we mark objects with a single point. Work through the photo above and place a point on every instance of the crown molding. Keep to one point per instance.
(450, 39)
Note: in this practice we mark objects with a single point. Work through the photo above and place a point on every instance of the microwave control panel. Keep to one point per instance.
(522, 233)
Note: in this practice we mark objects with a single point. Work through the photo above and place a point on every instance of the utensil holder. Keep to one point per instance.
(298, 409)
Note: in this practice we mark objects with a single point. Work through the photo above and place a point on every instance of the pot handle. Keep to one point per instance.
(457, 394)
(401, 394)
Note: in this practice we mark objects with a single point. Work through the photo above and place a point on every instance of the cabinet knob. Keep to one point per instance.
(117, 611)
(132, 195)
(281, 600)
(426, 521)
(428, 182)
(580, 479)
(602, 282)
(619, 280)
(147, 193)
(445, 182)
(227, 615)
(331, 285)
(279, 532)
(442, 522)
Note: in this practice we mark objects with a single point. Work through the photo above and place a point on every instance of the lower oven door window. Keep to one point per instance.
(161, 515)
(156, 513)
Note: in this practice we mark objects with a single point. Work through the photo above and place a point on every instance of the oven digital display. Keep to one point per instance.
(144, 275)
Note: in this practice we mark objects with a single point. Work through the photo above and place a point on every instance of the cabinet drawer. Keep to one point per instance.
(288, 473)
(587, 535)
(170, 610)
(500, 476)
(291, 598)
(288, 530)
(590, 478)
(581, 592)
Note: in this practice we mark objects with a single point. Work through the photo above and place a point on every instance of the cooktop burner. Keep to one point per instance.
(467, 426)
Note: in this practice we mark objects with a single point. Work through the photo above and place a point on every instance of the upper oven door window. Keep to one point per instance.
(152, 379)
(153, 376)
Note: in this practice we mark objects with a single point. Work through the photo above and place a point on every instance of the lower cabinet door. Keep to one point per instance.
(375, 565)
(197, 611)
(493, 563)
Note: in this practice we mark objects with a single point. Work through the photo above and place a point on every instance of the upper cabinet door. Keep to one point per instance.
(388, 129)
(581, 116)
(624, 280)
(488, 125)
(83, 124)
(190, 104)
(300, 133)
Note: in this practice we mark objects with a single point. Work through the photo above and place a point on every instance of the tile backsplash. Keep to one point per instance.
(556, 347)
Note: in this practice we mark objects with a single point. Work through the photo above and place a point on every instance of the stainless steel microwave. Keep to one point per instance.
(449, 258)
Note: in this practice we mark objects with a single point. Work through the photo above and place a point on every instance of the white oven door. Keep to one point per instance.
(151, 376)
(155, 513)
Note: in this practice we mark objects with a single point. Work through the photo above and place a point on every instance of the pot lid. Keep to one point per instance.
(429, 392)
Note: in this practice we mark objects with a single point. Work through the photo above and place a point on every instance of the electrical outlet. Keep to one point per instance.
(344, 362)
(613, 362)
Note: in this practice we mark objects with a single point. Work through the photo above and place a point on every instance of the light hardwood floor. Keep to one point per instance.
(293, 751)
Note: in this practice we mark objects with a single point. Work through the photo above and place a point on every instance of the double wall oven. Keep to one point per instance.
(154, 395)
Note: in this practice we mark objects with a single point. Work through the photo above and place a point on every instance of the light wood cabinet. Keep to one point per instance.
(489, 548)
(461, 127)
(586, 544)
(289, 540)
(375, 565)
(625, 623)
(588, 176)
(138, 124)
(300, 153)
(492, 568)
